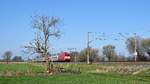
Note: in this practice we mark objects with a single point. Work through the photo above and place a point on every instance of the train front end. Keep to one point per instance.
(64, 57)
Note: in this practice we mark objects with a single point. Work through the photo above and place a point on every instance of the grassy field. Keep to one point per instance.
(23, 67)
(86, 77)
(90, 78)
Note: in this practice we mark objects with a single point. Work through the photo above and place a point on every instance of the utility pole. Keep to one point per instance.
(88, 42)
(88, 45)
(135, 47)
(75, 56)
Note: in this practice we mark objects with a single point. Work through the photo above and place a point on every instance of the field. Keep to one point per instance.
(90, 74)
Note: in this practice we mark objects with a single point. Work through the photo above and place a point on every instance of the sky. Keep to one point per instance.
(77, 17)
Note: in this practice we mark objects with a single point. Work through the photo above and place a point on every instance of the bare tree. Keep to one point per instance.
(142, 47)
(109, 52)
(7, 56)
(17, 59)
(46, 27)
(93, 54)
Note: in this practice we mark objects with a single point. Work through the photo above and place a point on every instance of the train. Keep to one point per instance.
(61, 57)
(64, 56)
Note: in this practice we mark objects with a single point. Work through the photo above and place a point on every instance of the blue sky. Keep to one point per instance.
(78, 17)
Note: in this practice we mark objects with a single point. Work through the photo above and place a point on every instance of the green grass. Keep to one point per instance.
(20, 67)
(118, 68)
(86, 77)
(145, 74)
(75, 79)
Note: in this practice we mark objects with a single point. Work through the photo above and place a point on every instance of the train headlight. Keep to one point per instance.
(67, 57)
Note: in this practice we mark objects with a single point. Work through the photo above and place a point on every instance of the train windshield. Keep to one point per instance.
(67, 54)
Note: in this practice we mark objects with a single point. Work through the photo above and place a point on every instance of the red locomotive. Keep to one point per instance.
(64, 56)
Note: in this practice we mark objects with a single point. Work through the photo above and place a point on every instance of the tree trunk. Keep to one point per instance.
(47, 63)
(7, 61)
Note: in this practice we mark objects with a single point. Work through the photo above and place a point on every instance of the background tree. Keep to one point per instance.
(142, 47)
(146, 48)
(93, 55)
(82, 55)
(109, 52)
(46, 27)
(130, 43)
(17, 59)
(74, 56)
(7, 56)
